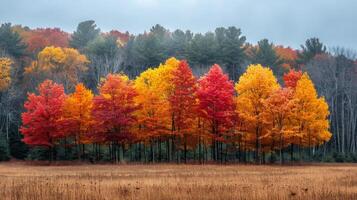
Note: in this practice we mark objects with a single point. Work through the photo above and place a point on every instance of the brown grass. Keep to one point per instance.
(23, 181)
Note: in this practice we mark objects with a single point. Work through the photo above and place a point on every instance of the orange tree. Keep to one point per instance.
(155, 118)
(76, 119)
(183, 103)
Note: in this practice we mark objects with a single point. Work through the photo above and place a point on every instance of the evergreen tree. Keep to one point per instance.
(151, 48)
(86, 32)
(203, 49)
(129, 58)
(231, 49)
(179, 43)
(312, 47)
(265, 55)
(11, 42)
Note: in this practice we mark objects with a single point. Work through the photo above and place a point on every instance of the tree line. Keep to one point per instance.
(88, 55)
(168, 108)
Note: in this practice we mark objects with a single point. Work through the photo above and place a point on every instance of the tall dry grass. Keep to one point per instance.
(218, 182)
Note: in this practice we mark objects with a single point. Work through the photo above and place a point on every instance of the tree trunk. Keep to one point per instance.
(292, 153)
(185, 148)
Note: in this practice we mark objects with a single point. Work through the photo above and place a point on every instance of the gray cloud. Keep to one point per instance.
(287, 22)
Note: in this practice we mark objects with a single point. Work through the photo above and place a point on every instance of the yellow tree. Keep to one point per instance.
(154, 88)
(60, 64)
(253, 88)
(76, 117)
(153, 115)
(310, 115)
(5, 67)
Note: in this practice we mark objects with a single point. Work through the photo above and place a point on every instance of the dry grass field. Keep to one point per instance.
(330, 181)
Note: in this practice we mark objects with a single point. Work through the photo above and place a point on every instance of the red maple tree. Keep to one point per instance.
(216, 104)
(43, 37)
(291, 78)
(183, 101)
(183, 98)
(113, 109)
(123, 37)
(39, 122)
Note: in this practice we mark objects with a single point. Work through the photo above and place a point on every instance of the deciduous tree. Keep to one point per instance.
(114, 110)
(40, 38)
(183, 103)
(253, 87)
(277, 115)
(40, 120)
(215, 93)
(106, 57)
(288, 55)
(155, 118)
(63, 65)
(291, 78)
(309, 115)
(5, 78)
(76, 120)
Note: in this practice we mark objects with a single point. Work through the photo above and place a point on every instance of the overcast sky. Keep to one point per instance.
(287, 22)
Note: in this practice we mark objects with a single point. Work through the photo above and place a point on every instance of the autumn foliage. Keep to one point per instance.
(253, 88)
(169, 107)
(60, 64)
(216, 105)
(291, 78)
(288, 55)
(40, 120)
(113, 109)
(5, 69)
(76, 117)
(40, 38)
(183, 103)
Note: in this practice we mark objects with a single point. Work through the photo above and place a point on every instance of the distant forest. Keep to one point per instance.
(29, 58)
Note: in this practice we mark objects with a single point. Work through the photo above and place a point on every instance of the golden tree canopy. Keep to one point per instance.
(5, 69)
(60, 64)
